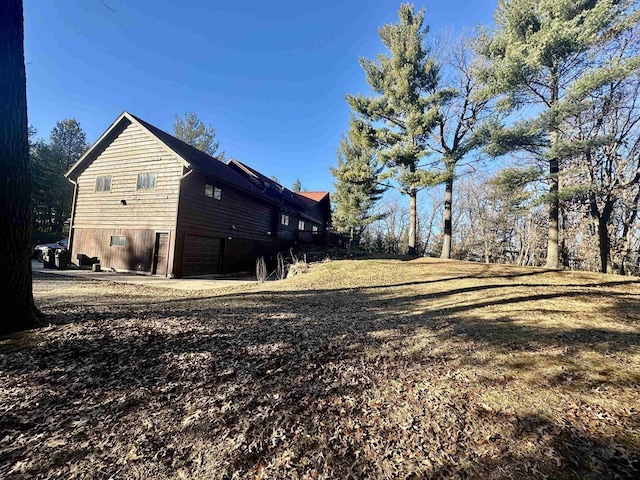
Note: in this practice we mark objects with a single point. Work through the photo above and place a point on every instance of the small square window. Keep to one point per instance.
(300, 224)
(146, 181)
(314, 229)
(118, 241)
(217, 193)
(103, 184)
(208, 191)
(284, 219)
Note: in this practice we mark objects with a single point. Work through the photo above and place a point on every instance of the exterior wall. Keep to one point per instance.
(307, 235)
(135, 255)
(98, 215)
(245, 225)
(320, 212)
(287, 233)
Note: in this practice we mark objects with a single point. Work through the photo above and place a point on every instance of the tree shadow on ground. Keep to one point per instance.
(360, 382)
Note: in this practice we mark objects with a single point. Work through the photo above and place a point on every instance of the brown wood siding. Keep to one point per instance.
(236, 215)
(136, 255)
(133, 151)
(288, 232)
(305, 236)
(319, 215)
(241, 255)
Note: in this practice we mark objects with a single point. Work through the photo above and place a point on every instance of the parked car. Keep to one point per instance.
(38, 250)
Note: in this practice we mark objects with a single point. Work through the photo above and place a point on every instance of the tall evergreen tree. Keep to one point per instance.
(67, 144)
(193, 131)
(356, 187)
(16, 293)
(547, 55)
(52, 193)
(401, 113)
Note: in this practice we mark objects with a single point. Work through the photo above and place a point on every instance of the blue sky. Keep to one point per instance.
(270, 77)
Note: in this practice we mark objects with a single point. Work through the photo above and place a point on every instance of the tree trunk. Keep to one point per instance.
(604, 246)
(553, 254)
(413, 220)
(16, 293)
(553, 257)
(627, 234)
(448, 202)
(604, 242)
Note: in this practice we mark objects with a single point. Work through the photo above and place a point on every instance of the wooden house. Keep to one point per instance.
(147, 202)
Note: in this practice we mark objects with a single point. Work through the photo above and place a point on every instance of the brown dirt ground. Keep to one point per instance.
(377, 368)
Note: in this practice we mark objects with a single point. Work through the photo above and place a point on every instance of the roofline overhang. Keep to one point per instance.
(103, 138)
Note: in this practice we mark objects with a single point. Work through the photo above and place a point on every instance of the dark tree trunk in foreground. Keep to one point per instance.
(16, 294)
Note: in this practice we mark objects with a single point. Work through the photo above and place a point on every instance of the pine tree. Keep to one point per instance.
(356, 188)
(193, 131)
(401, 113)
(547, 56)
(52, 193)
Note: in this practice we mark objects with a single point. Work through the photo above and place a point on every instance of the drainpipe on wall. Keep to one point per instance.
(73, 215)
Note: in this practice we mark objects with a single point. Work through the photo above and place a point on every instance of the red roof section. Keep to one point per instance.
(316, 196)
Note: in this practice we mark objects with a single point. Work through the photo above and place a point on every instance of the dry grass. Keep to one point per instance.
(378, 368)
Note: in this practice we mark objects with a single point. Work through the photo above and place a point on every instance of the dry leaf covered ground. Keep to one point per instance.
(378, 368)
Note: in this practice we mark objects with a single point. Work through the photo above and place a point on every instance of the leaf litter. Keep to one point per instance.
(376, 368)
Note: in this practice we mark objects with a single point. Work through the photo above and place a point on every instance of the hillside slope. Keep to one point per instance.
(378, 368)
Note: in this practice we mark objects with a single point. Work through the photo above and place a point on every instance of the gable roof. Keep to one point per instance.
(269, 186)
(190, 157)
(199, 160)
(233, 172)
(315, 196)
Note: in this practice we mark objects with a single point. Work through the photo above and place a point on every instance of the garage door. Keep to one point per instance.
(202, 255)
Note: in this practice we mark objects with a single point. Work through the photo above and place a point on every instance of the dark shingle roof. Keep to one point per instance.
(238, 174)
(201, 161)
(233, 173)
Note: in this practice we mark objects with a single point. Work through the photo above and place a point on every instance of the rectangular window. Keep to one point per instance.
(300, 224)
(103, 184)
(118, 241)
(213, 192)
(314, 229)
(284, 219)
(146, 181)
